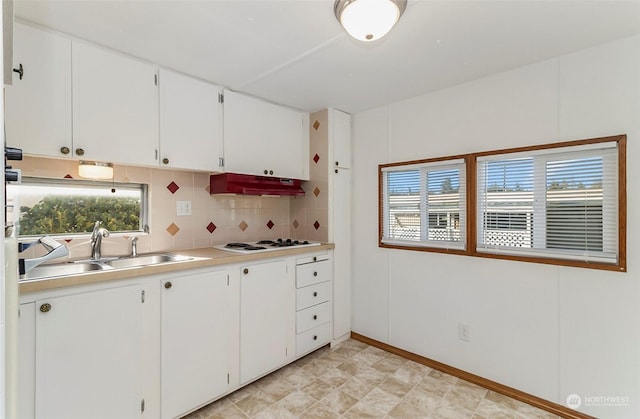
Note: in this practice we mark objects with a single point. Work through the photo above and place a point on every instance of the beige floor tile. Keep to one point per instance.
(319, 411)
(297, 402)
(255, 403)
(394, 386)
(339, 401)
(354, 380)
(406, 410)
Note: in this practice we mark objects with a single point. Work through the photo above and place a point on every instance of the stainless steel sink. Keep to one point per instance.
(63, 269)
(85, 266)
(145, 260)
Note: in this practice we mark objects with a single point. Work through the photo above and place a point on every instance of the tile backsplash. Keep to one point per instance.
(214, 219)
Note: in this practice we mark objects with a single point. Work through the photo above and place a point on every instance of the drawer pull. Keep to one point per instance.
(315, 258)
(315, 337)
(45, 308)
(315, 293)
(245, 271)
(168, 284)
(315, 317)
(315, 274)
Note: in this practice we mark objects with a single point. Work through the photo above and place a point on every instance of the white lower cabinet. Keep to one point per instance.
(267, 324)
(313, 305)
(199, 322)
(89, 355)
(161, 346)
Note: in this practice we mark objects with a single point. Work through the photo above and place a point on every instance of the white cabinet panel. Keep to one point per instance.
(38, 107)
(313, 339)
(261, 138)
(340, 124)
(313, 316)
(312, 295)
(115, 107)
(89, 355)
(196, 317)
(266, 318)
(342, 253)
(190, 123)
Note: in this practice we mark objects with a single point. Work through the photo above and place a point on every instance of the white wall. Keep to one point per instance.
(546, 330)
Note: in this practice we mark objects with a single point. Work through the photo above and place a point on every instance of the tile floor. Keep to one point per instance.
(355, 380)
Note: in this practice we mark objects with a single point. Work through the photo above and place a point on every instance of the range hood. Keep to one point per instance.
(234, 183)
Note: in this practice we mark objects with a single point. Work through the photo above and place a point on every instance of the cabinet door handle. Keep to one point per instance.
(245, 271)
(65, 150)
(315, 317)
(315, 258)
(270, 172)
(165, 161)
(266, 172)
(45, 308)
(315, 293)
(168, 284)
(337, 163)
(19, 70)
(336, 170)
(80, 151)
(315, 274)
(315, 337)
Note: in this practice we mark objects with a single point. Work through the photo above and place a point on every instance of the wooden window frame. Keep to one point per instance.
(471, 205)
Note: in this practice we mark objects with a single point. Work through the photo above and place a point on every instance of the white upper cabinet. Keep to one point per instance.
(340, 124)
(190, 123)
(38, 106)
(261, 138)
(115, 107)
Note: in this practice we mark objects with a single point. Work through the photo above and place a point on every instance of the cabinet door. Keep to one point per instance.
(195, 347)
(190, 123)
(288, 141)
(341, 236)
(245, 145)
(261, 138)
(38, 107)
(341, 130)
(115, 107)
(88, 355)
(267, 318)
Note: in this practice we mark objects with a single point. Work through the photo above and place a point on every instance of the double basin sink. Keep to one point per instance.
(85, 266)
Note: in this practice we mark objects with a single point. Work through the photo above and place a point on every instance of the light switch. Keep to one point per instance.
(183, 207)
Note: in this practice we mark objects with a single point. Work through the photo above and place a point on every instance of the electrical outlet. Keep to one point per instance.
(183, 207)
(463, 331)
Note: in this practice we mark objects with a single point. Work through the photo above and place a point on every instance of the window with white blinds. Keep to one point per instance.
(424, 204)
(550, 203)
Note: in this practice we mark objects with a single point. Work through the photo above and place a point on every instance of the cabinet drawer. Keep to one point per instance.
(313, 338)
(312, 295)
(313, 273)
(312, 317)
(311, 259)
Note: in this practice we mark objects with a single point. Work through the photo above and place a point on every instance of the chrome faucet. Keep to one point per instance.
(54, 249)
(96, 240)
(134, 246)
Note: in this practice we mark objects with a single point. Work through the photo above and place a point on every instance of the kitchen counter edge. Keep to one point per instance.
(205, 257)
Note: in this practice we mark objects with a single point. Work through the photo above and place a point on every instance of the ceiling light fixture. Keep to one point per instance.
(95, 170)
(368, 20)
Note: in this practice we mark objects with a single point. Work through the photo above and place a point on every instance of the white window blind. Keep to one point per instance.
(558, 203)
(425, 204)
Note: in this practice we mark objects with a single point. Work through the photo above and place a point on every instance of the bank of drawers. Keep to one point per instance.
(313, 305)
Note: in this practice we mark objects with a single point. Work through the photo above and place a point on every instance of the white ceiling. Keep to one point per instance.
(294, 52)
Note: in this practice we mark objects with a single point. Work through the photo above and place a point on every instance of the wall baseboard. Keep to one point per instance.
(530, 399)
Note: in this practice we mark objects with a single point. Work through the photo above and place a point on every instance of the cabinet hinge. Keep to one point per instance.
(228, 379)
(286, 352)
(142, 406)
(142, 296)
(227, 280)
(221, 161)
(220, 98)
(155, 79)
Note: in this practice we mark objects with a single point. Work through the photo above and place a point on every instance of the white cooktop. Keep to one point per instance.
(264, 246)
